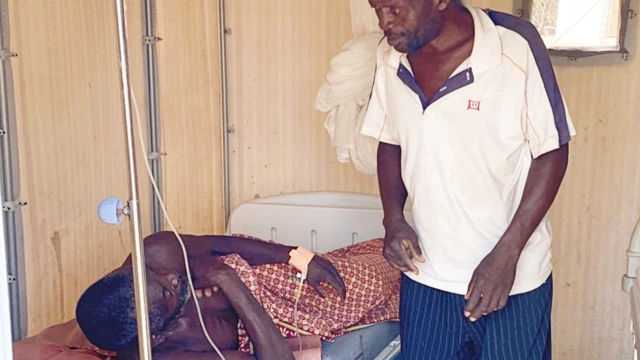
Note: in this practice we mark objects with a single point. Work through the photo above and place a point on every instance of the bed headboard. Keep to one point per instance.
(320, 221)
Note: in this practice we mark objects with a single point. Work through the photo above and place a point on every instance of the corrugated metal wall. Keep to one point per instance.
(72, 139)
(72, 146)
(279, 52)
(72, 136)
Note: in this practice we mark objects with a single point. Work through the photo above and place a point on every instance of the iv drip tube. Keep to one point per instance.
(137, 250)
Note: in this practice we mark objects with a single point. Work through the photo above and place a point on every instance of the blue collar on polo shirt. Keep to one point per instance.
(485, 55)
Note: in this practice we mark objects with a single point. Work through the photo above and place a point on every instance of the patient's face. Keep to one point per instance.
(167, 292)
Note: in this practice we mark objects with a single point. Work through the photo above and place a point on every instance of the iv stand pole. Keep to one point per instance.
(137, 250)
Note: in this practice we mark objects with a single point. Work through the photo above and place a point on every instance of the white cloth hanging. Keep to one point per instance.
(345, 96)
(363, 18)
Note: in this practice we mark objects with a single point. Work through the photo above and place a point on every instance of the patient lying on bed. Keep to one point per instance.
(246, 291)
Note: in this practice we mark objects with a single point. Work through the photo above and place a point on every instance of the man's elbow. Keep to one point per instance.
(553, 165)
(562, 158)
(557, 158)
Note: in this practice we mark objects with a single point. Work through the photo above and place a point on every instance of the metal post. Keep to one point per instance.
(137, 250)
(225, 112)
(6, 351)
(150, 41)
(11, 204)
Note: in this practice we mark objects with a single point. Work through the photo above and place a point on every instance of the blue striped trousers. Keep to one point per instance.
(433, 326)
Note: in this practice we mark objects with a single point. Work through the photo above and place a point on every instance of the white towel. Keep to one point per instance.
(345, 96)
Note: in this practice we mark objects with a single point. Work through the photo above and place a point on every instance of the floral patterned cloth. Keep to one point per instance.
(373, 293)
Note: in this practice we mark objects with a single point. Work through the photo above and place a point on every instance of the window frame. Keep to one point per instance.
(523, 10)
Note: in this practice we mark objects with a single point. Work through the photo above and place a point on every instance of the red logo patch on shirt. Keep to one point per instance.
(473, 105)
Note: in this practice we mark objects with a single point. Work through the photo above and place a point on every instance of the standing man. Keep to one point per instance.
(474, 131)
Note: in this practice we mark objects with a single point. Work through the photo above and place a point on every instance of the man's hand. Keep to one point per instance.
(401, 247)
(321, 270)
(493, 279)
(490, 284)
(400, 242)
(210, 273)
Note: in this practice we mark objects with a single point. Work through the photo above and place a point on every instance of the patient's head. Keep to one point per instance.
(106, 312)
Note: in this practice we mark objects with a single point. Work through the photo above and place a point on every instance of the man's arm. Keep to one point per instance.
(493, 279)
(392, 190)
(265, 336)
(162, 249)
(542, 185)
(401, 242)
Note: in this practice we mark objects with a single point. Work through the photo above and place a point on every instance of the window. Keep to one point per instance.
(578, 28)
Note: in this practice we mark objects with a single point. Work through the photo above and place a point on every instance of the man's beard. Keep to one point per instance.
(418, 39)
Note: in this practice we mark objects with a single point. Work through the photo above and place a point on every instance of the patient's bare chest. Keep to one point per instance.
(222, 328)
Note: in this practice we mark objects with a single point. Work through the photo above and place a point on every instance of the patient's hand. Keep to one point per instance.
(267, 339)
(211, 273)
(321, 270)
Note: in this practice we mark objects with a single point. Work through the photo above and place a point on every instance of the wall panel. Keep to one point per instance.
(72, 145)
(597, 209)
(278, 56)
(69, 103)
(190, 112)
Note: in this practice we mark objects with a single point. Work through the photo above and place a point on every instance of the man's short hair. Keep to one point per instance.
(106, 313)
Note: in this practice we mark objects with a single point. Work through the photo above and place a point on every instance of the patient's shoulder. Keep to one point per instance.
(162, 248)
(160, 236)
(160, 242)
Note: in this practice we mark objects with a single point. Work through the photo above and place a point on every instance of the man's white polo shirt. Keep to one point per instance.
(466, 152)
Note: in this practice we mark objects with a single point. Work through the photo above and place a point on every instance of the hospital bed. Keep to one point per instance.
(322, 222)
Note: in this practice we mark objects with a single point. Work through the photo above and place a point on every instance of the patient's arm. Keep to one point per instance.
(268, 341)
(162, 250)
